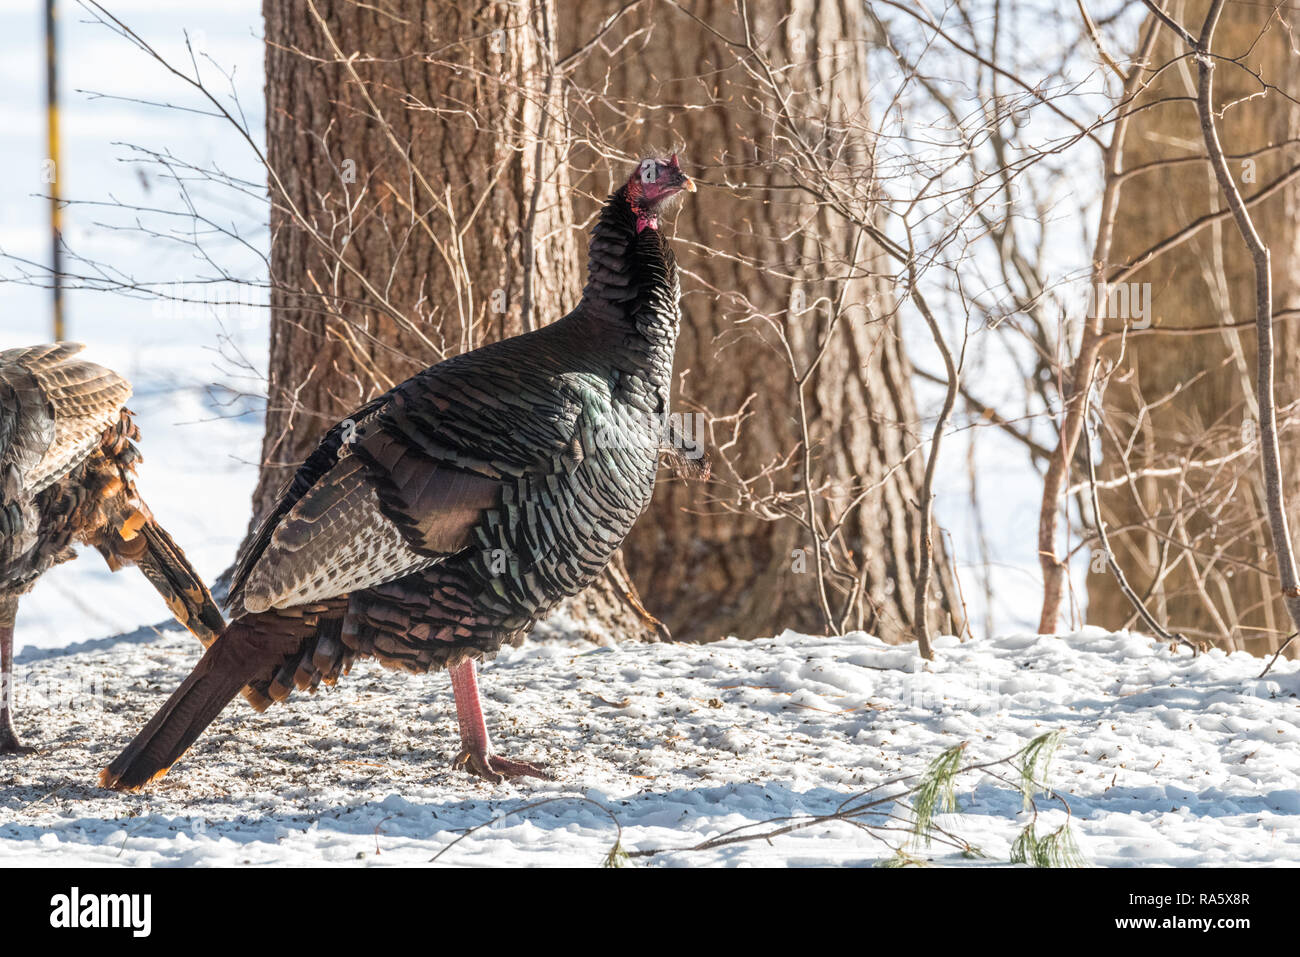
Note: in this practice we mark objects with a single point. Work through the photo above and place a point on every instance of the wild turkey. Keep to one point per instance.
(66, 476)
(443, 518)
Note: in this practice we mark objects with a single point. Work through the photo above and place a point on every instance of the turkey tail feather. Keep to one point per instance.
(180, 586)
(232, 661)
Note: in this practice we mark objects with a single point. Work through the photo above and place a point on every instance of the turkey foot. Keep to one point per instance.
(494, 768)
(9, 743)
(476, 755)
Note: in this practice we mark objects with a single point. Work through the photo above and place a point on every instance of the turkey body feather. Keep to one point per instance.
(505, 501)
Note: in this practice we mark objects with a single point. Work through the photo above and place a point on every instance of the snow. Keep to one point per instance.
(1166, 759)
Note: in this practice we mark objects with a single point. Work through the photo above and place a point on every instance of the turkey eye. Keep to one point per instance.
(649, 172)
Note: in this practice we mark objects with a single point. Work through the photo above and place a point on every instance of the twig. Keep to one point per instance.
(925, 544)
(1079, 383)
(1277, 654)
(528, 807)
(856, 806)
(1164, 634)
(1270, 457)
(1095, 37)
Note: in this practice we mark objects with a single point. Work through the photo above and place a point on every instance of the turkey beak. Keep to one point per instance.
(685, 182)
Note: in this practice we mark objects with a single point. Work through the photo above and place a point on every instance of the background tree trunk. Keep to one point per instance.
(708, 572)
(1225, 590)
(412, 210)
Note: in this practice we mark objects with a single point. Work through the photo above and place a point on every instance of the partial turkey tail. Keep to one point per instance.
(233, 660)
(167, 568)
(126, 533)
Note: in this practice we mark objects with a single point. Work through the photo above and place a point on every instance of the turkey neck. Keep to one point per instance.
(630, 304)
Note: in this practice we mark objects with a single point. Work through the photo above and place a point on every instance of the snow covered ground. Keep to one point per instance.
(1166, 759)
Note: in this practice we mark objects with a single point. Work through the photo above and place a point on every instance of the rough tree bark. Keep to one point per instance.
(1227, 591)
(679, 83)
(411, 210)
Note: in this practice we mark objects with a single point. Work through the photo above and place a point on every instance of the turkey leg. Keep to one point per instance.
(9, 743)
(476, 755)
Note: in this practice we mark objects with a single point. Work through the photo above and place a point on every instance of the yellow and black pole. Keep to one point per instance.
(52, 166)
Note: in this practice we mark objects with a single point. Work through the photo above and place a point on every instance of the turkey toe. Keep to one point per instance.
(9, 744)
(494, 768)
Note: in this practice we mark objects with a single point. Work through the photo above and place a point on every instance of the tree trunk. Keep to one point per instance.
(1224, 589)
(414, 215)
(750, 254)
